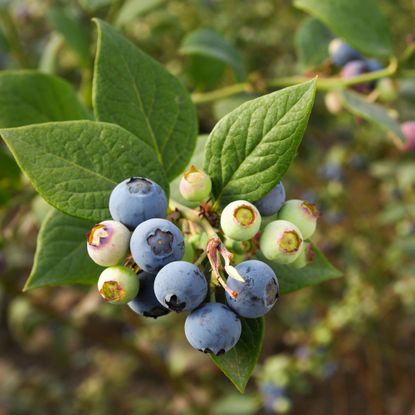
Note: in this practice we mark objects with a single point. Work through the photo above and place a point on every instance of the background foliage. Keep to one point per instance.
(341, 347)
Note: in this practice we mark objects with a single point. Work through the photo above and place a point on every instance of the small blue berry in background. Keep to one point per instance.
(118, 285)
(272, 201)
(341, 53)
(258, 293)
(136, 200)
(240, 220)
(108, 243)
(180, 286)
(155, 243)
(146, 303)
(373, 65)
(213, 328)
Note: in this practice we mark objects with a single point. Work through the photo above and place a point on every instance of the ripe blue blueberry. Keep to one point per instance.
(302, 214)
(146, 303)
(373, 65)
(195, 184)
(155, 243)
(118, 285)
(258, 294)
(272, 201)
(180, 286)
(213, 328)
(341, 53)
(281, 241)
(240, 220)
(108, 243)
(135, 200)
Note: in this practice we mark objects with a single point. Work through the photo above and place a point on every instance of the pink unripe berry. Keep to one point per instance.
(408, 130)
(195, 184)
(108, 243)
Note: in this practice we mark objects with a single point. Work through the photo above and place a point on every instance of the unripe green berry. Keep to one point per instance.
(306, 256)
(240, 220)
(281, 241)
(108, 243)
(302, 214)
(118, 285)
(195, 184)
(238, 247)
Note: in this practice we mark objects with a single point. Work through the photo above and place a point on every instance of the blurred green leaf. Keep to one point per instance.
(8, 167)
(134, 8)
(61, 255)
(30, 97)
(311, 41)
(134, 91)
(205, 72)
(358, 22)
(292, 279)
(209, 43)
(75, 33)
(236, 405)
(251, 148)
(75, 165)
(239, 362)
(372, 112)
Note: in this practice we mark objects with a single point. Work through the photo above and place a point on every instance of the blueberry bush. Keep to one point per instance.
(164, 173)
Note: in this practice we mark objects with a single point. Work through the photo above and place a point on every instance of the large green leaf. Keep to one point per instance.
(239, 363)
(30, 97)
(61, 255)
(75, 32)
(292, 279)
(372, 112)
(311, 42)
(209, 43)
(358, 22)
(251, 148)
(75, 165)
(136, 92)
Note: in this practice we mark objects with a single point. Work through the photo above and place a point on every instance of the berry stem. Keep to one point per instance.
(193, 215)
(323, 84)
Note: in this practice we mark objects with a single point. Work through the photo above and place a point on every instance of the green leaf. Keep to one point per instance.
(292, 279)
(251, 148)
(75, 33)
(61, 256)
(133, 8)
(209, 43)
(312, 41)
(358, 22)
(372, 112)
(205, 72)
(136, 92)
(30, 97)
(75, 165)
(239, 363)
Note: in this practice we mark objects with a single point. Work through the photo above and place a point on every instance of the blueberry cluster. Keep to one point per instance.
(143, 252)
(351, 63)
